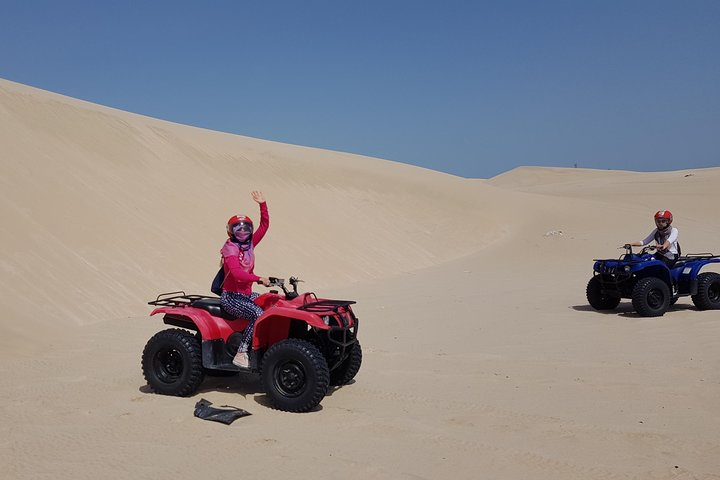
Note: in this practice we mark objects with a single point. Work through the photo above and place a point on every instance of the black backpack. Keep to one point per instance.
(218, 282)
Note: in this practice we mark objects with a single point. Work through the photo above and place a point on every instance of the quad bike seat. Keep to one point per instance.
(213, 306)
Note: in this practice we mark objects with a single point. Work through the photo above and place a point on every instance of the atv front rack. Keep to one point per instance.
(326, 306)
(630, 261)
(175, 300)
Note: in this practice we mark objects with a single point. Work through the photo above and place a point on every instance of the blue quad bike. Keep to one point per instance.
(651, 285)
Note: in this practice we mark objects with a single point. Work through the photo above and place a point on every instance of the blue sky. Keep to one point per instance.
(473, 88)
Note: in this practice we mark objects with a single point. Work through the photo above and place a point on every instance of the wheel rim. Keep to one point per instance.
(655, 299)
(714, 292)
(290, 379)
(168, 365)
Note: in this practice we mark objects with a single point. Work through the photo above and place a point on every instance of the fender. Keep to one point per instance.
(695, 267)
(267, 300)
(693, 270)
(210, 327)
(658, 270)
(274, 324)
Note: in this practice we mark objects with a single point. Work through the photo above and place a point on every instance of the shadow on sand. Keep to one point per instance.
(627, 310)
(240, 383)
(243, 384)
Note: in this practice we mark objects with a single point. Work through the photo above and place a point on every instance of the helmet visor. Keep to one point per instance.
(662, 222)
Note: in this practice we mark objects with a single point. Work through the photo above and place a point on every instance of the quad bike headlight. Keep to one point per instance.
(326, 320)
(627, 268)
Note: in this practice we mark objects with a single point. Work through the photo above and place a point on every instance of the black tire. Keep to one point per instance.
(347, 370)
(708, 293)
(295, 375)
(596, 299)
(651, 297)
(172, 363)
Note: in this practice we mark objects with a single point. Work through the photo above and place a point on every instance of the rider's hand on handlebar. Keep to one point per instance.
(264, 281)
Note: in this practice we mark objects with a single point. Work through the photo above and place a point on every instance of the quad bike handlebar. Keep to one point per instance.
(280, 282)
(646, 249)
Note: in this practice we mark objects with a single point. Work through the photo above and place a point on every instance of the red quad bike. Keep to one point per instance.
(301, 345)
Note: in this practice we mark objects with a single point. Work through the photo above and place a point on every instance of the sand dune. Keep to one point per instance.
(125, 205)
(482, 357)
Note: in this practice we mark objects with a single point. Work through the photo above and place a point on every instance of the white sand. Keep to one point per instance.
(482, 357)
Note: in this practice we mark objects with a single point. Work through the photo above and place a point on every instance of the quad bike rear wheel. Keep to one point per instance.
(708, 293)
(349, 367)
(295, 375)
(172, 363)
(597, 299)
(651, 297)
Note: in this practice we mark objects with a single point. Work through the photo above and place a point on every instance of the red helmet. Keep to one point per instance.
(663, 219)
(235, 220)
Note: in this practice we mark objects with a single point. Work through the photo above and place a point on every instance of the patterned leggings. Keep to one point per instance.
(242, 306)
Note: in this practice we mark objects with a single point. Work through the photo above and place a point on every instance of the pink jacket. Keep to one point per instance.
(239, 279)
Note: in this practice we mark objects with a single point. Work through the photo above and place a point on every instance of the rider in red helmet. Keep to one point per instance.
(665, 237)
(238, 255)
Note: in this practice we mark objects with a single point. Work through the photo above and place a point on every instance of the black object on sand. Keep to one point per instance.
(226, 414)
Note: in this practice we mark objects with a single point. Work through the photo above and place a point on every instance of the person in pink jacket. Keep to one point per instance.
(238, 255)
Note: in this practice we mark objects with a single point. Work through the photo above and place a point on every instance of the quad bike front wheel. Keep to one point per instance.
(708, 292)
(172, 363)
(651, 297)
(295, 375)
(597, 299)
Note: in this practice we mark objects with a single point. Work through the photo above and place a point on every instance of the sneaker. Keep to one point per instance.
(241, 360)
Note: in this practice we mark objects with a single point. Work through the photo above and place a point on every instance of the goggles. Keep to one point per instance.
(662, 221)
(242, 227)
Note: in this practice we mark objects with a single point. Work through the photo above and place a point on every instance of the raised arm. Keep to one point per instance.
(264, 217)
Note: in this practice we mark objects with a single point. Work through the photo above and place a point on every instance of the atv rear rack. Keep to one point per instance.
(182, 300)
(698, 256)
